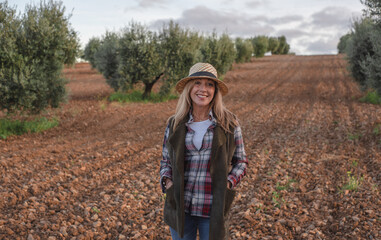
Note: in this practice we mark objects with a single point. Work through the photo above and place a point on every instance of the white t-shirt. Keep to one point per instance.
(200, 129)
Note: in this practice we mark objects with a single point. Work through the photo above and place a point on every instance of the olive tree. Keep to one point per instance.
(359, 47)
(283, 47)
(91, 48)
(180, 50)
(343, 42)
(260, 45)
(140, 57)
(373, 9)
(107, 59)
(372, 64)
(364, 54)
(220, 52)
(244, 50)
(33, 50)
(273, 44)
(137, 54)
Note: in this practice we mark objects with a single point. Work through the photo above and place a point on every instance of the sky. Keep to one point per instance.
(311, 27)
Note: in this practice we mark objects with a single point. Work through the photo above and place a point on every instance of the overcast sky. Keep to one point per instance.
(310, 26)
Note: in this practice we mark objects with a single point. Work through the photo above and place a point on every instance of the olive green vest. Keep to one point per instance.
(223, 147)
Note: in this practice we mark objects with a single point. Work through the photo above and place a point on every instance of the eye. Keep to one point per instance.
(211, 84)
(197, 82)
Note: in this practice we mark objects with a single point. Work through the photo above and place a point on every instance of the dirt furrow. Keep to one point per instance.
(306, 136)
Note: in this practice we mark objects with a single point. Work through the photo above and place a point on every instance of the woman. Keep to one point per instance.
(203, 158)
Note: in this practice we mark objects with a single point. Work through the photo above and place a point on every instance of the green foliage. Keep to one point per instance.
(371, 65)
(353, 183)
(260, 44)
(244, 50)
(364, 50)
(373, 9)
(180, 49)
(358, 48)
(283, 47)
(354, 163)
(354, 136)
(364, 54)
(277, 199)
(263, 44)
(377, 129)
(218, 51)
(137, 96)
(140, 57)
(371, 97)
(209, 49)
(33, 50)
(16, 127)
(342, 45)
(227, 54)
(96, 210)
(91, 48)
(107, 59)
(273, 45)
(287, 186)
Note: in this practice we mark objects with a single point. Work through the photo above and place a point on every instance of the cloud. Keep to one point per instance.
(277, 20)
(151, 3)
(323, 46)
(315, 33)
(201, 15)
(237, 24)
(259, 19)
(286, 19)
(255, 4)
(325, 29)
(332, 17)
(292, 33)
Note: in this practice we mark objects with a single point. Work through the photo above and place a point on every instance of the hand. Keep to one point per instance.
(168, 183)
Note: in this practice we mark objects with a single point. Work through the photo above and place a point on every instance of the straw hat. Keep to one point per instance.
(202, 70)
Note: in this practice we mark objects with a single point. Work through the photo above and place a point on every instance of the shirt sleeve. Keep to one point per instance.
(239, 160)
(165, 163)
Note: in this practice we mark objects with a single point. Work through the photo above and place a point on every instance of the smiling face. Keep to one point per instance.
(202, 92)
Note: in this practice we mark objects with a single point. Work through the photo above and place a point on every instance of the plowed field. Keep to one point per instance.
(314, 160)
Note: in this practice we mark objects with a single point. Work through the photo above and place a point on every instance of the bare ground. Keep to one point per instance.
(95, 176)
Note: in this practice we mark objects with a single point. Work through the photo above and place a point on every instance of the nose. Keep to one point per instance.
(203, 86)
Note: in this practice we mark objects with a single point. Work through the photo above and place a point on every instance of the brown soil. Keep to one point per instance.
(306, 135)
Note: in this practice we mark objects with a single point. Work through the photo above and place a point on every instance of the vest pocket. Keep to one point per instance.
(170, 197)
(170, 213)
(230, 194)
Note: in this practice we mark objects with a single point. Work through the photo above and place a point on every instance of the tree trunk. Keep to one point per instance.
(148, 86)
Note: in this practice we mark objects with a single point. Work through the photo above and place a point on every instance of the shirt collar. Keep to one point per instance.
(211, 118)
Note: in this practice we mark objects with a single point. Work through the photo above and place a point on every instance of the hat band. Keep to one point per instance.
(203, 74)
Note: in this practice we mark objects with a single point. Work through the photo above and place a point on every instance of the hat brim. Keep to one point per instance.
(221, 85)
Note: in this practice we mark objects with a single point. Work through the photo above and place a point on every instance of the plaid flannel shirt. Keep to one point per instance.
(197, 179)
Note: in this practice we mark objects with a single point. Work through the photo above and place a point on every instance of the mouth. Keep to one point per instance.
(201, 95)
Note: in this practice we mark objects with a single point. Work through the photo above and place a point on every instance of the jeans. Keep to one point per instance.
(192, 223)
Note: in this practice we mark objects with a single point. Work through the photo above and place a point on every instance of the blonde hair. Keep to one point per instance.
(225, 118)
